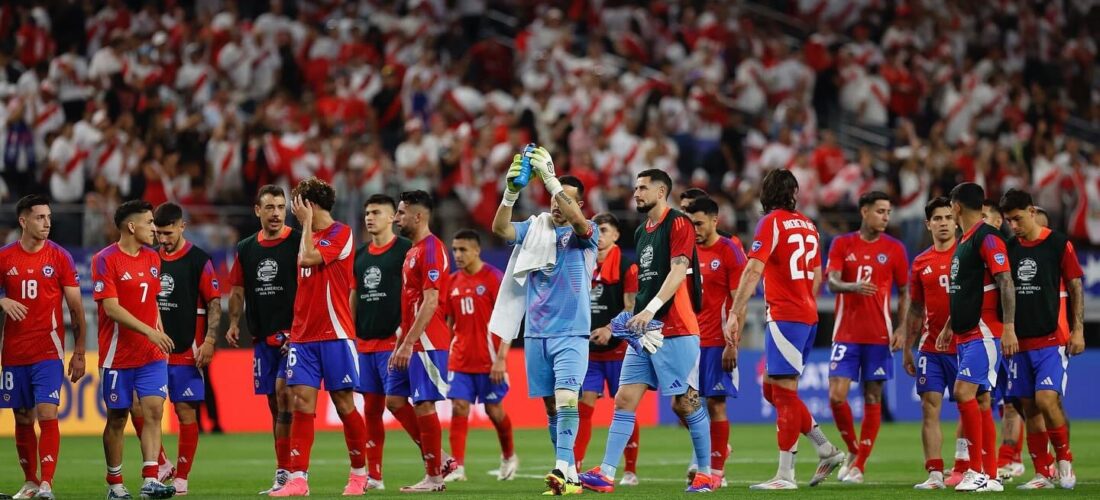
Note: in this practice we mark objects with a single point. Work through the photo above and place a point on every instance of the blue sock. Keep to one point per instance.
(618, 435)
(553, 429)
(699, 426)
(569, 420)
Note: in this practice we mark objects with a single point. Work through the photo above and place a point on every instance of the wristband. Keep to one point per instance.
(654, 305)
(510, 198)
(553, 186)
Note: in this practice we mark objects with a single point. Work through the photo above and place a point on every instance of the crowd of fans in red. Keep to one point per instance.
(202, 101)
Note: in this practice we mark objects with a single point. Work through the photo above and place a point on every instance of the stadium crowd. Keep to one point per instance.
(202, 102)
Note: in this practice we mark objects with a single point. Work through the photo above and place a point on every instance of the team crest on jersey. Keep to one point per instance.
(1027, 270)
(881, 258)
(756, 244)
(153, 271)
(167, 284)
(563, 241)
(372, 277)
(714, 264)
(647, 256)
(47, 271)
(267, 270)
(999, 258)
(412, 262)
(214, 283)
(98, 287)
(597, 291)
(324, 243)
(480, 290)
(433, 274)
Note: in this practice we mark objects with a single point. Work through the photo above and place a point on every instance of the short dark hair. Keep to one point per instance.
(419, 197)
(271, 189)
(872, 197)
(167, 213)
(132, 207)
(693, 194)
(28, 202)
(1015, 199)
(935, 203)
(316, 191)
(381, 199)
(609, 219)
(569, 180)
(969, 195)
(658, 175)
(992, 204)
(778, 190)
(705, 205)
(468, 234)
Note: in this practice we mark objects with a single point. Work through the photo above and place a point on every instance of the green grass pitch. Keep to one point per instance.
(238, 466)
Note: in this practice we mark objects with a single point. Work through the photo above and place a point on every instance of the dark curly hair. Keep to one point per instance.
(317, 192)
(778, 190)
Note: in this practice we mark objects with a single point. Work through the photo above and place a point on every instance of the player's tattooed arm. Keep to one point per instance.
(903, 317)
(915, 321)
(1076, 343)
(571, 210)
(1008, 296)
(213, 319)
(236, 307)
(838, 285)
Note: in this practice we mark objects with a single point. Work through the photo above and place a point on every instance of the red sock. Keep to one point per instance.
(970, 417)
(282, 453)
(961, 466)
(406, 416)
(989, 442)
(1060, 438)
(934, 465)
(868, 431)
(584, 432)
(1038, 447)
(1019, 448)
(355, 436)
(768, 394)
(807, 420)
(301, 440)
(114, 477)
(842, 415)
(373, 406)
(139, 424)
(459, 428)
(48, 446)
(630, 454)
(26, 445)
(149, 470)
(189, 442)
(1004, 454)
(788, 417)
(431, 442)
(504, 435)
(719, 437)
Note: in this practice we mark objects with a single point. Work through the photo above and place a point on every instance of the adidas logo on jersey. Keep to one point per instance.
(880, 371)
(187, 393)
(55, 394)
(126, 277)
(927, 270)
(347, 379)
(13, 272)
(1047, 381)
(675, 385)
(719, 387)
(850, 258)
(965, 371)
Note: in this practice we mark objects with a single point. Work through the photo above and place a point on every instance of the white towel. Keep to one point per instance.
(538, 250)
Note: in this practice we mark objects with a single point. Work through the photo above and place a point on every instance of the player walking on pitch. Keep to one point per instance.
(1041, 261)
(265, 282)
(929, 309)
(37, 275)
(863, 267)
(721, 262)
(378, 265)
(477, 359)
(668, 291)
(557, 328)
(321, 337)
(132, 344)
(785, 252)
(190, 306)
(979, 269)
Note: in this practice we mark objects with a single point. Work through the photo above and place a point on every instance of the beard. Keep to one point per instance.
(645, 207)
(406, 231)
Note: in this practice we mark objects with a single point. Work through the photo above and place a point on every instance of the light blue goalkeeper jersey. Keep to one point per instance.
(558, 298)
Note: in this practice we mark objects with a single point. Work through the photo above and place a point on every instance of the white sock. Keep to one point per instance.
(297, 475)
(936, 475)
(360, 471)
(118, 488)
(962, 449)
(786, 465)
(149, 480)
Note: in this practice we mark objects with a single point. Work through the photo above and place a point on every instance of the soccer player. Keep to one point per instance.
(378, 265)
(477, 359)
(190, 306)
(37, 275)
(132, 344)
(721, 262)
(863, 267)
(935, 370)
(980, 273)
(689, 196)
(265, 282)
(785, 252)
(557, 326)
(421, 377)
(614, 285)
(321, 337)
(1042, 260)
(666, 260)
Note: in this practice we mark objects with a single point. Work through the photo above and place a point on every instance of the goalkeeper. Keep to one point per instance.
(558, 321)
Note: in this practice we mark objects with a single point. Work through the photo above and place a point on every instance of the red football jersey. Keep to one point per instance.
(470, 303)
(928, 282)
(990, 249)
(208, 291)
(863, 319)
(37, 281)
(788, 245)
(426, 268)
(322, 306)
(135, 281)
(1071, 270)
(721, 265)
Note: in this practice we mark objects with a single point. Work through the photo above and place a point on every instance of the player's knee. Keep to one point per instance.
(24, 416)
(117, 419)
(344, 401)
(716, 406)
(565, 398)
(395, 403)
(461, 407)
(424, 408)
(686, 403)
(187, 413)
(1047, 401)
(551, 408)
(930, 406)
(284, 417)
(495, 412)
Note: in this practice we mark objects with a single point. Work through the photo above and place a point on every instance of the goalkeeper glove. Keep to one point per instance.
(543, 165)
(652, 340)
(511, 191)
